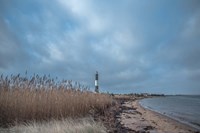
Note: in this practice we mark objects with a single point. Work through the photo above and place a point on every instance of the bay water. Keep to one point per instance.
(185, 109)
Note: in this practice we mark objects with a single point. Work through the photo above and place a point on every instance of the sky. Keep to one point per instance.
(137, 46)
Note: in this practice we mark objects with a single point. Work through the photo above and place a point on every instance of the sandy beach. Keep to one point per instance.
(128, 116)
(140, 119)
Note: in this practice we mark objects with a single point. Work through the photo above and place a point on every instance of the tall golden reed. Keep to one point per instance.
(42, 98)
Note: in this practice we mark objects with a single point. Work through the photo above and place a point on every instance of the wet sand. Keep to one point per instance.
(139, 119)
(128, 116)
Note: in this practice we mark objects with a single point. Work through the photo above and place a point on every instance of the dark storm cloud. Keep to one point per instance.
(137, 46)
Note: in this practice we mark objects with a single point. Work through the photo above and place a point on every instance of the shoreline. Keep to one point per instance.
(185, 123)
(126, 115)
(134, 118)
(166, 123)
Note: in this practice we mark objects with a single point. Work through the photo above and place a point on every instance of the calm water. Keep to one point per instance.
(183, 108)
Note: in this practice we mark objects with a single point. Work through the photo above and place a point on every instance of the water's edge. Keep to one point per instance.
(195, 127)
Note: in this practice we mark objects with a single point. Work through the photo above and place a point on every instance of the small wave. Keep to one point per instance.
(197, 124)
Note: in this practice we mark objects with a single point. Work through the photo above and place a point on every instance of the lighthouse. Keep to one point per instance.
(96, 82)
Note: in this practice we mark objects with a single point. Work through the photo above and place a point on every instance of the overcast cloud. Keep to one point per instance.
(136, 45)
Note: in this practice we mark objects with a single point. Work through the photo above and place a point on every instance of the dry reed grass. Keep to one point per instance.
(125, 97)
(80, 125)
(42, 98)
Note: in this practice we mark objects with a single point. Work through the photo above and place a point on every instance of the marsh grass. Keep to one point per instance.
(80, 125)
(37, 98)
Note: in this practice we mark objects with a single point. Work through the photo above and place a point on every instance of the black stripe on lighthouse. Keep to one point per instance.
(96, 82)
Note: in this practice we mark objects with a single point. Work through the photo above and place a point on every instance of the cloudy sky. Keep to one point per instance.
(136, 45)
